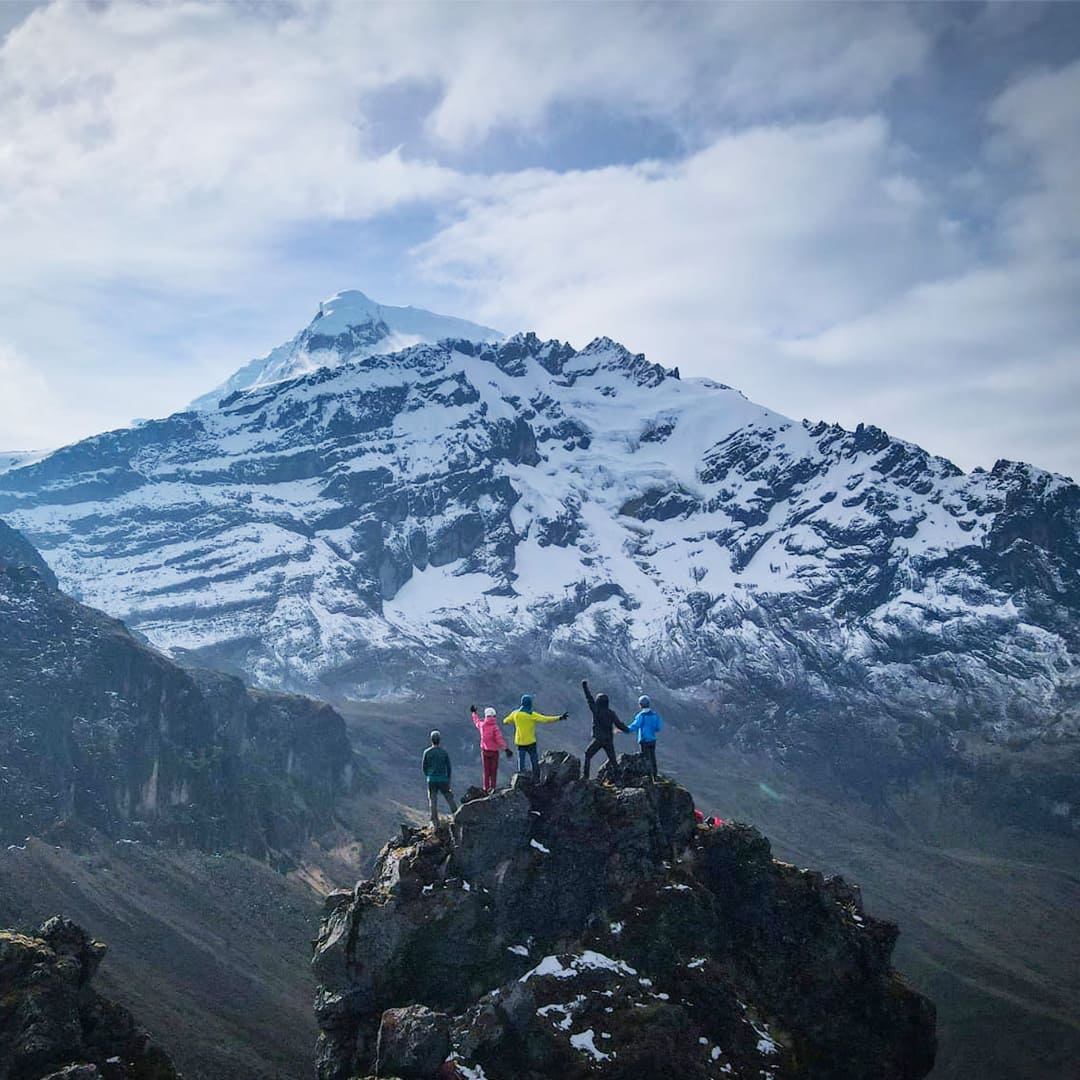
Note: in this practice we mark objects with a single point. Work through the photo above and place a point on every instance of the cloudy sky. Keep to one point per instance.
(850, 212)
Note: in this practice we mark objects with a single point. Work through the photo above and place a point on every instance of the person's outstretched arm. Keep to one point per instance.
(619, 724)
(541, 719)
(635, 723)
(477, 722)
(588, 695)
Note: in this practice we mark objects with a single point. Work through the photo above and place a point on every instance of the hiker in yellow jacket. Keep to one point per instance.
(525, 721)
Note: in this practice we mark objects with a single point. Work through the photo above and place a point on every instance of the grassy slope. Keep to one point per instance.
(209, 952)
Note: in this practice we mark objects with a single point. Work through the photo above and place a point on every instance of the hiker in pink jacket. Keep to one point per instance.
(491, 742)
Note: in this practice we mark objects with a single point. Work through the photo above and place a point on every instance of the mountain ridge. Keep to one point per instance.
(460, 506)
(103, 735)
(608, 935)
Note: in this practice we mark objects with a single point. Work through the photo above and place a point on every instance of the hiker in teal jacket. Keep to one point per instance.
(436, 767)
(647, 724)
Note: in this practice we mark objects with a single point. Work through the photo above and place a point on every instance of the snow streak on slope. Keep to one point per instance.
(348, 326)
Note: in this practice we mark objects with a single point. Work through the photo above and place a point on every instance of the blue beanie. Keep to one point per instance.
(643, 701)
(526, 702)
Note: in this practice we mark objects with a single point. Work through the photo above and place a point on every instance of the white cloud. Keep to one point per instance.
(25, 397)
(803, 265)
(174, 141)
(163, 166)
(1038, 123)
(773, 231)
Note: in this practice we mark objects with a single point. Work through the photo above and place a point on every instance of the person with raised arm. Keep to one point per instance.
(491, 742)
(604, 723)
(525, 719)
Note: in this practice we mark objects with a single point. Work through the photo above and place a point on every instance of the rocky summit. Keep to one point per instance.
(54, 1025)
(570, 928)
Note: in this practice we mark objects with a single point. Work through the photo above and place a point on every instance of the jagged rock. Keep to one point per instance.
(53, 1024)
(413, 1042)
(582, 929)
(490, 830)
(17, 553)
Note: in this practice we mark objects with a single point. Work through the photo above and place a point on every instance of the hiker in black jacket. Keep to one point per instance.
(604, 722)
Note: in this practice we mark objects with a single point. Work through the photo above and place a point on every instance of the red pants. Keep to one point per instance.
(491, 768)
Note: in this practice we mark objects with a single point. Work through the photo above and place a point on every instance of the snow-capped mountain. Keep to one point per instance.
(349, 326)
(468, 506)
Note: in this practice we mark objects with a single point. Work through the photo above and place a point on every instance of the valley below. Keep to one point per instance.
(989, 914)
(212, 950)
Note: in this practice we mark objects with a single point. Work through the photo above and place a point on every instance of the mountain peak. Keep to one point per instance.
(349, 326)
(345, 309)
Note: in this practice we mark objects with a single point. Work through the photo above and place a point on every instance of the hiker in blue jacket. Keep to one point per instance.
(647, 724)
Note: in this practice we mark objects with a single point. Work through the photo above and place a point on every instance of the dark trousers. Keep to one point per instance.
(530, 752)
(648, 752)
(491, 769)
(434, 789)
(594, 748)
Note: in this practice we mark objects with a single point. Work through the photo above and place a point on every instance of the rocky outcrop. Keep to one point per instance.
(573, 928)
(16, 552)
(97, 731)
(53, 1023)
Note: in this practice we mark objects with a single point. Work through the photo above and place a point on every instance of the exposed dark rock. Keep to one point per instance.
(97, 731)
(16, 552)
(579, 929)
(413, 1043)
(53, 1023)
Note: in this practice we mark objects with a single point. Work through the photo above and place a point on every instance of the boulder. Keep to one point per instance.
(490, 830)
(413, 1042)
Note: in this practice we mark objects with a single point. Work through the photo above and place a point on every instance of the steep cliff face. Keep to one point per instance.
(16, 552)
(98, 731)
(54, 1025)
(574, 929)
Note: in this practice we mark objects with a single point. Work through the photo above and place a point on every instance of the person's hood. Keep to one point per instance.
(602, 700)
(526, 702)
